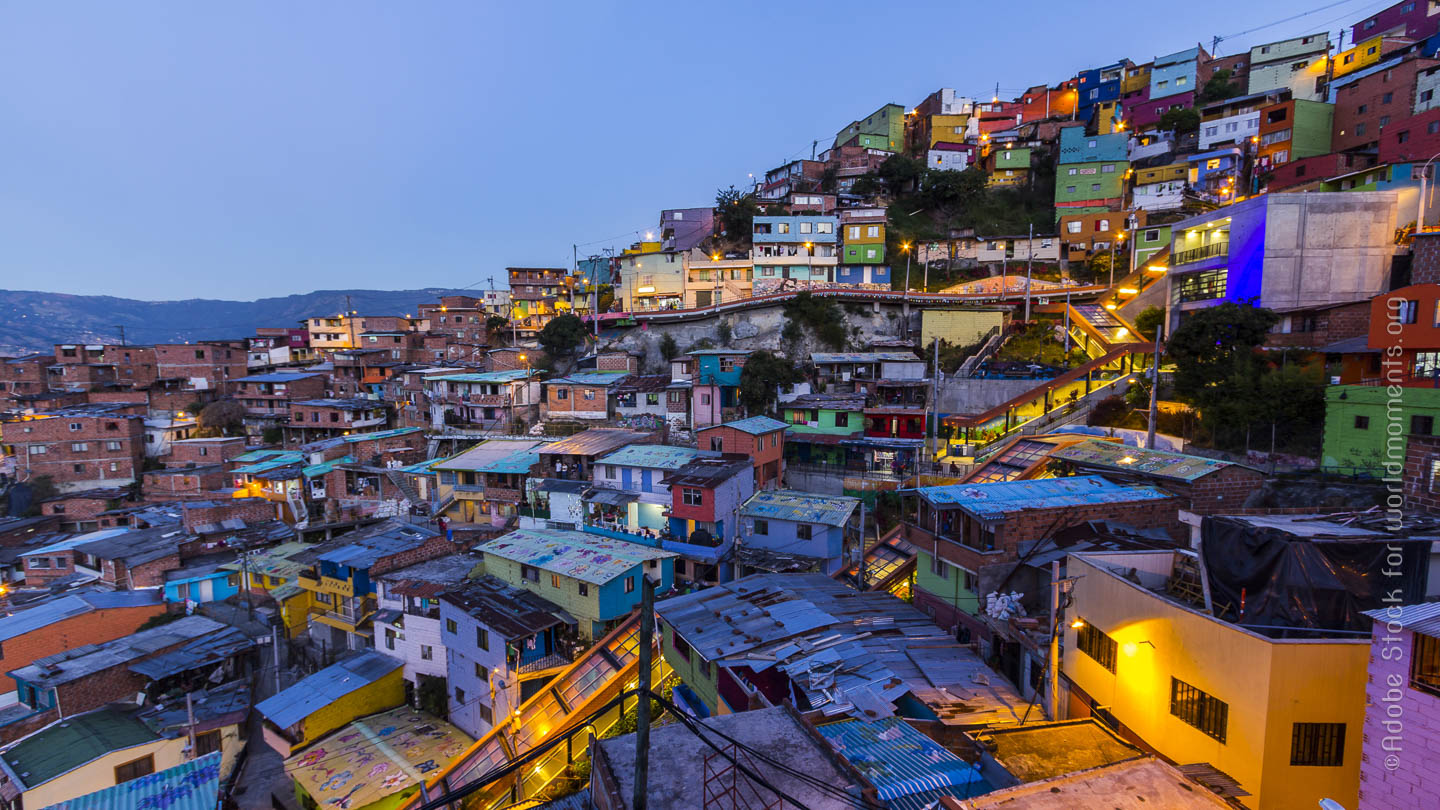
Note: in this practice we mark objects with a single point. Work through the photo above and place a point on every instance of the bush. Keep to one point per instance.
(272, 435)
(724, 332)
(668, 348)
(1108, 412)
(819, 315)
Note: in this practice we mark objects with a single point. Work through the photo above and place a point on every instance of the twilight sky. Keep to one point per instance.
(166, 150)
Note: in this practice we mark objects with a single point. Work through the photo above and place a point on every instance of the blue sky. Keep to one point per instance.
(243, 150)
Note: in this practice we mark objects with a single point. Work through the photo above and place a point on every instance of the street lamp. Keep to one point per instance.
(905, 248)
(1119, 237)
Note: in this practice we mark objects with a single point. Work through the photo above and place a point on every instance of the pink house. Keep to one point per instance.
(1402, 714)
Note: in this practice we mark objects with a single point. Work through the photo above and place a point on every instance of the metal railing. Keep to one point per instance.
(1200, 253)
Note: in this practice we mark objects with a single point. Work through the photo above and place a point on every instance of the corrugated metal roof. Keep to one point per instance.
(193, 785)
(316, 470)
(514, 464)
(577, 555)
(656, 456)
(68, 607)
(864, 357)
(380, 434)
(896, 758)
(363, 552)
(754, 425)
(1161, 463)
(600, 378)
(79, 662)
(593, 442)
(63, 746)
(801, 507)
(511, 375)
(272, 463)
(1422, 618)
(477, 458)
(1004, 497)
(314, 693)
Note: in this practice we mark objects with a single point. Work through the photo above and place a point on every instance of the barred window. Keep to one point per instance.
(1321, 744)
(1425, 664)
(1200, 710)
(1097, 645)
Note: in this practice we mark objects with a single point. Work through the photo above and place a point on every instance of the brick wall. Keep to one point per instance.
(767, 451)
(617, 361)
(1330, 324)
(574, 401)
(77, 450)
(56, 565)
(431, 549)
(196, 483)
(201, 452)
(95, 627)
(1361, 105)
(407, 448)
(76, 508)
(1422, 490)
(1222, 491)
(1425, 259)
(149, 574)
(250, 510)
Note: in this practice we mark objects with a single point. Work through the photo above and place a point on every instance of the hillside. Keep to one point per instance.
(35, 321)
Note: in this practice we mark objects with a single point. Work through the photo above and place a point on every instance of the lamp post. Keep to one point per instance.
(1119, 237)
(905, 247)
(809, 265)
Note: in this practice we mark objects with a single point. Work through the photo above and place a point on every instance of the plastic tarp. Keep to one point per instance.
(1308, 583)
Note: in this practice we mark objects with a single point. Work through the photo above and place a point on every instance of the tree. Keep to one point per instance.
(1147, 323)
(42, 488)
(221, 417)
(668, 348)
(495, 323)
(607, 297)
(1183, 120)
(900, 173)
(737, 213)
(761, 379)
(1219, 87)
(1213, 345)
(947, 193)
(562, 335)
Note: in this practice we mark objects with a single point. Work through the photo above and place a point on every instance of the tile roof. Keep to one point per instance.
(387, 753)
(754, 425)
(66, 745)
(656, 456)
(801, 507)
(1159, 463)
(573, 554)
(192, 785)
(290, 706)
(1005, 497)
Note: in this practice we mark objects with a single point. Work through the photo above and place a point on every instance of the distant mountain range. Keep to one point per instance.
(35, 321)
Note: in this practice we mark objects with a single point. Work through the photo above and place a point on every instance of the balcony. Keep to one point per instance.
(470, 492)
(1200, 253)
(504, 494)
(348, 615)
(541, 663)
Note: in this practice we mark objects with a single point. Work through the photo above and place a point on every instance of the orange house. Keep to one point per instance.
(759, 437)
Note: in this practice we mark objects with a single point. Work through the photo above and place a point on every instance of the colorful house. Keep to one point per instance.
(632, 489)
(1099, 85)
(498, 640)
(296, 717)
(793, 252)
(1404, 674)
(1091, 173)
(882, 129)
(483, 485)
(706, 497)
(715, 385)
(594, 579)
(818, 423)
(759, 437)
(1358, 420)
(376, 762)
(1292, 130)
(788, 530)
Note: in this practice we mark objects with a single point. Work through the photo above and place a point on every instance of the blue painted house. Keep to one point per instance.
(1077, 147)
(715, 385)
(1099, 85)
(200, 582)
(786, 530)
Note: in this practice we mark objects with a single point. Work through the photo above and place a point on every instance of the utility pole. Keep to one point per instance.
(933, 417)
(1155, 385)
(860, 563)
(1067, 327)
(121, 327)
(1054, 667)
(190, 728)
(275, 655)
(349, 319)
(813, 145)
(575, 274)
(1029, 266)
(642, 709)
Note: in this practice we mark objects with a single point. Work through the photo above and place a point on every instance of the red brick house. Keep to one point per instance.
(1422, 473)
(1374, 105)
(185, 483)
(82, 447)
(70, 621)
(23, 375)
(80, 511)
(314, 419)
(200, 452)
(759, 437)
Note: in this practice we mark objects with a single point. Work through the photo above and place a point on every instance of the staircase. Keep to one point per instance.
(403, 484)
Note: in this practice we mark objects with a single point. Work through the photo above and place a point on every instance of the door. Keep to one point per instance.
(645, 481)
(625, 478)
(704, 298)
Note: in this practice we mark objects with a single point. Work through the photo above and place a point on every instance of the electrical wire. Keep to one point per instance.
(1287, 19)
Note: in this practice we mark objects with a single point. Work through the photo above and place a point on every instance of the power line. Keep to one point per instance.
(1285, 20)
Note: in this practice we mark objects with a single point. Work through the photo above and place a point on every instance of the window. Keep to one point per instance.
(692, 497)
(1361, 109)
(1362, 423)
(1072, 172)
(450, 626)
(1102, 225)
(805, 227)
(1073, 226)
(1406, 312)
(762, 527)
(1426, 95)
(1319, 744)
(460, 696)
(1384, 121)
(854, 232)
(207, 742)
(135, 769)
(427, 653)
(1425, 663)
(554, 580)
(1422, 425)
(939, 568)
(1069, 189)
(630, 584)
(79, 447)
(1198, 709)
(481, 673)
(1094, 186)
(1403, 137)
(75, 427)
(873, 231)
(583, 588)
(590, 394)
(562, 392)
(39, 562)
(1387, 98)
(1096, 644)
(1108, 168)
(802, 531)
(1203, 286)
(1152, 235)
(485, 713)
(1360, 129)
(842, 420)
(482, 638)
(389, 639)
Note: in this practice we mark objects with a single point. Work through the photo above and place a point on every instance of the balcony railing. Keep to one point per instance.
(544, 662)
(1200, 253)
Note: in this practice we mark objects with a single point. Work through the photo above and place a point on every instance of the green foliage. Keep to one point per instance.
(737, 210)
(828, 179)
(194, 408)
(562, 335)
(761, 379)
(272, 435)
(1098, 266)
(222, 416)
(433, 695)
(495, 323)
(1183, 120)
(1219, 87)
(1148, 322)
(1036, 343)
(819, 315)
(1108, 412)
(668, 348)
(724, 332)
(1213, 345)
(607, 297)
(1137, 395)
(900, 173)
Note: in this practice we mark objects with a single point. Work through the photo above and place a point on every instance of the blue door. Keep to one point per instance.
(645, 481)
(624, 477)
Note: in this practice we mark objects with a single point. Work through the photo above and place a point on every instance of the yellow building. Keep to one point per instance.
(1170, 172)
(948, 129)
(90, 752)
(1136, 78)
(959, 327)
(271, 572)
(339, 331)
(1359, 57)
(1198, 689)
(331, 698)
(711, 280)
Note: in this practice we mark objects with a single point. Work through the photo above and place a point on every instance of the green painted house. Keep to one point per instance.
(1089, 185)
(1149, 241)
(882, 129)
(956, 587)
(817, 424)
(1358, 436)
